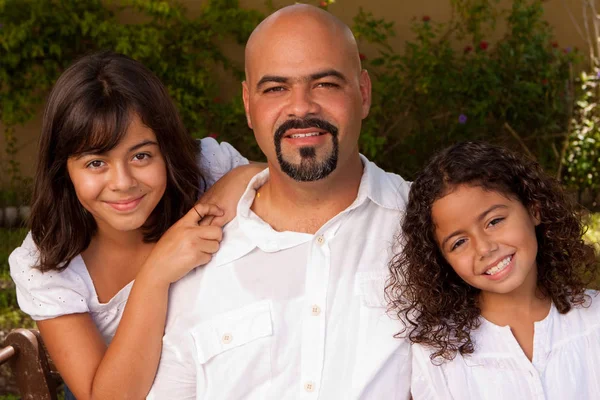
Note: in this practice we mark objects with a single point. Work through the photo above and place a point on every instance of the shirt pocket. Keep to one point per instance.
(235, 347)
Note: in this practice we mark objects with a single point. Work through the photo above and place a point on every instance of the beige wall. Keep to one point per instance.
(400, 11)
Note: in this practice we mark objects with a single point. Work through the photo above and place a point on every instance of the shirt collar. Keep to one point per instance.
(385, 189)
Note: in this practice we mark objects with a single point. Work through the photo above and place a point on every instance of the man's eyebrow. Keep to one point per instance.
(327, 73)
(271, 78)
(313, 77)
(479, 218)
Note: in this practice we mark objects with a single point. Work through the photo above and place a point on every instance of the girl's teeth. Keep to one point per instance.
(499, 267)
(301, 135)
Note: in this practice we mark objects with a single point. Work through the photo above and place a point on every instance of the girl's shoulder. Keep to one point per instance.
(45, 295)
(216, 159)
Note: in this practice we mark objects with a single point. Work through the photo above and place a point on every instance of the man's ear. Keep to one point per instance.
(246, 98)
(365, 92)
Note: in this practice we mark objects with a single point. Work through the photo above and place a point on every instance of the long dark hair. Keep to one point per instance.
(437, 307)
(89, 109)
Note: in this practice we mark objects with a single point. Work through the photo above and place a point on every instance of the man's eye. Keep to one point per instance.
(274, 89)
(328, 85)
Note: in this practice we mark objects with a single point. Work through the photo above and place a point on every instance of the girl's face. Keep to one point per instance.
(121, 188)
(487, 237)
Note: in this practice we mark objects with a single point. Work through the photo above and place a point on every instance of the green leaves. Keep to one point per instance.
(449, 84)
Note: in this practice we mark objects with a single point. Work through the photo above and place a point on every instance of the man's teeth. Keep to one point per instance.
(302, 135)
(499, 267)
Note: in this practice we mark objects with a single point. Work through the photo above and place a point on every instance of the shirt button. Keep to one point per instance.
(320, 239)
(315, 310)
(309, 386)
(227, 338)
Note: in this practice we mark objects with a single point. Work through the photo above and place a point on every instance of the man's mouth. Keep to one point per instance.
(304, 135)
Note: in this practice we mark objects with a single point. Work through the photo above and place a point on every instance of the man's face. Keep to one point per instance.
(305, 98)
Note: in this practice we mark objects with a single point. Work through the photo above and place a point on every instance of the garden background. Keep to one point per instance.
(521, 73)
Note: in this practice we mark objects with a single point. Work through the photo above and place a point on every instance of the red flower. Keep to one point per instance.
(362, 56)
(426, 18)
(544, 82)
(468, 49)
(412, 151)
(217, 100)
(323, 4)
(555, 44)
(483, 45)
(213, 135)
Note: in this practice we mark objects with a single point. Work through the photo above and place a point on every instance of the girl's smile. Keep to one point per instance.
(121, 187)
(487, 237)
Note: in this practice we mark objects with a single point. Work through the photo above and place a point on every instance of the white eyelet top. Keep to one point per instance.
(71, 291)
(565, 365)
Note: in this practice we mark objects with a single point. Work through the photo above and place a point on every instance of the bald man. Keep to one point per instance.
(292, 306)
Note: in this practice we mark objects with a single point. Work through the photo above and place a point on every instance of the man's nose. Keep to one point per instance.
(302, 103)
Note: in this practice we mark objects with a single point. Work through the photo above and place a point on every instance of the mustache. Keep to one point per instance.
(304, 124)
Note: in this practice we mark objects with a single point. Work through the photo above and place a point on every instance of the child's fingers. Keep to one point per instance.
(208, 246)
(199, 211)
(207, 220)
(209, 232)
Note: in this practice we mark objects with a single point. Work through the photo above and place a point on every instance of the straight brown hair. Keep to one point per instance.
(89, 110)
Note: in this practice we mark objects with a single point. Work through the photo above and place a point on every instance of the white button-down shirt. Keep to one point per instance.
(565, 365)
(287, 315)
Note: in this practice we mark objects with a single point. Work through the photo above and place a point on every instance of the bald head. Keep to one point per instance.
(298, 22)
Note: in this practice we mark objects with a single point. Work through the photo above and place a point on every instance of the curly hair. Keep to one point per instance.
(437, 307)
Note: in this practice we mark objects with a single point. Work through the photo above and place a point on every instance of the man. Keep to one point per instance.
(292, 305)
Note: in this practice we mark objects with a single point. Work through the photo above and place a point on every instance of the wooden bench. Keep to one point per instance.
(24, 352)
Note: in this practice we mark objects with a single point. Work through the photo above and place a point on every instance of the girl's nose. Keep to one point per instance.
(121, 178)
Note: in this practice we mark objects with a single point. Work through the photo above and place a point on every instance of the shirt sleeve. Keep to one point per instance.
(216, 159)
(45, 295)
(176, 375)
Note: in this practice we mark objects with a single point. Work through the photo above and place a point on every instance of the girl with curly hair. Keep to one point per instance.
(491, 282)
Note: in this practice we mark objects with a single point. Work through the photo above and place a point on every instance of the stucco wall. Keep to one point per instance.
(400, 11)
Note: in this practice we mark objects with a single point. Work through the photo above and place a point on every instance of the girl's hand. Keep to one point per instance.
(228, 190)
(184, 246)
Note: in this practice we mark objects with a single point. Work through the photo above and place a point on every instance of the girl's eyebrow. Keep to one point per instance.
(480, 218)
(146, 142)
(143, 143)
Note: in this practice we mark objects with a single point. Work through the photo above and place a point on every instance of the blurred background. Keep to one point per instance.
(520, 73)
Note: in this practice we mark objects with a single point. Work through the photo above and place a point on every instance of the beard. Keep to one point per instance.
(310, 168)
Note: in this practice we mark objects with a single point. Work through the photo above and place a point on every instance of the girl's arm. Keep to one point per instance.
(126, 368)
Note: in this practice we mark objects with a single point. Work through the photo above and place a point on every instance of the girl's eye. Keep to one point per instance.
(457, 244)
(141, 156)
(95, 164)
(496, 221)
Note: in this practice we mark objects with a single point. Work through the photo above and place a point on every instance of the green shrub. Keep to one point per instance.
(514, 92)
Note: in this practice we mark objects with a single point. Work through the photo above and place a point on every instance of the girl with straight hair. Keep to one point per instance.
(114, 223)
(491, 282)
